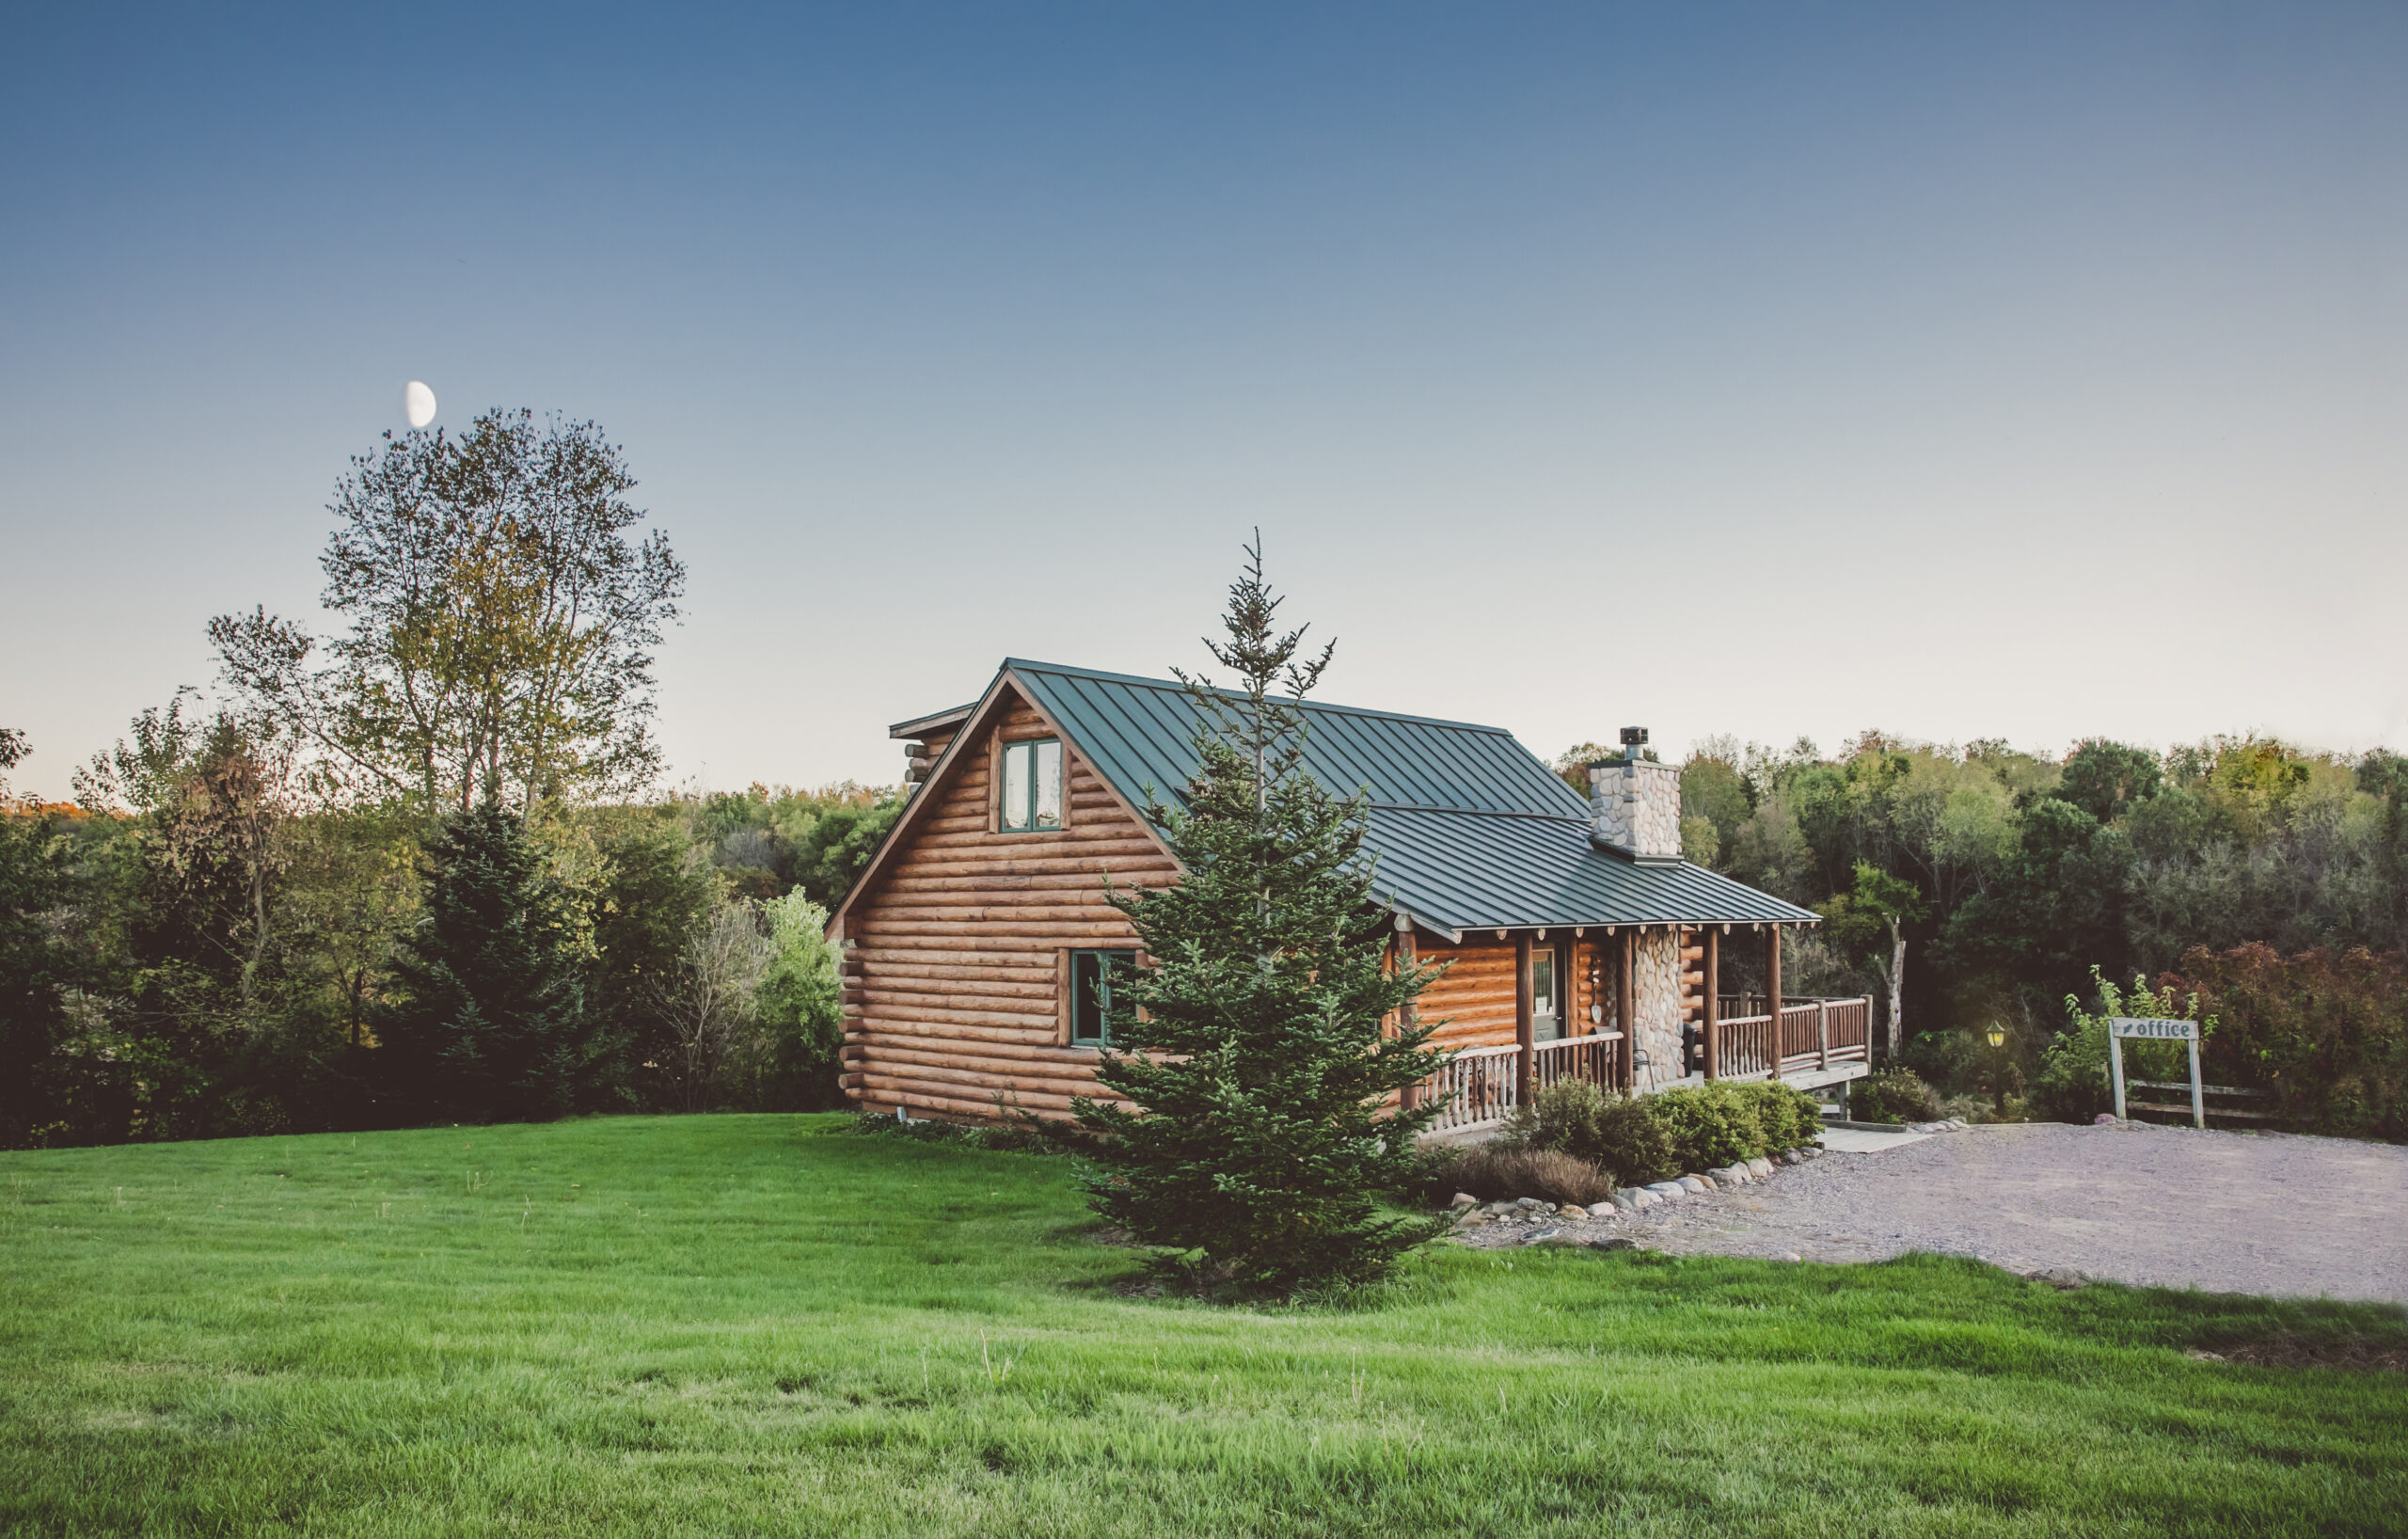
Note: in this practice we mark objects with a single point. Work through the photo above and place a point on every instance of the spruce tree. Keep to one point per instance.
(492, 1025)
(1254, 1042)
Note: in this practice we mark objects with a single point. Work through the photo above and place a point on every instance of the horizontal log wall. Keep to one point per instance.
(1473, 1003)
(953, 1002)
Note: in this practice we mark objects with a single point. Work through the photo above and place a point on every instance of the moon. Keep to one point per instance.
(419, 402)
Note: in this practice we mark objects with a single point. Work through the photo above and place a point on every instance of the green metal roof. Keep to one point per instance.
(1472, 831)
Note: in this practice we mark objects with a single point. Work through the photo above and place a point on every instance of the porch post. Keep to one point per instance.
(1526, 1061)
(1713, 1003)
(1772, 991)
(1409, 1017)
(1626, 1011)
(1822, 1034)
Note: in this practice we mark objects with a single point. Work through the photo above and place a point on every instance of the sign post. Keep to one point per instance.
(2121, 1026)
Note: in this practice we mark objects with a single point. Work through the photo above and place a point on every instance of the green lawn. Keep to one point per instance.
(772, 1325)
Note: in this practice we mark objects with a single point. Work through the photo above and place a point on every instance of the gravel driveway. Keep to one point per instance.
(2225, 1212)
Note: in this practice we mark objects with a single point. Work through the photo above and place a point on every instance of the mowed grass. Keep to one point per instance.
(773, 1324)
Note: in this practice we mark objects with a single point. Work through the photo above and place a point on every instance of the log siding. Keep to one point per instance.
(957, 1003)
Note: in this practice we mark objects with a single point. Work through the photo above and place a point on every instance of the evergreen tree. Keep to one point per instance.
(494, 1026)
(1255, 1041)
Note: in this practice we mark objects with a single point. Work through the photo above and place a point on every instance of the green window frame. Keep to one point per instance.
(1091, 974)
(1031, 797)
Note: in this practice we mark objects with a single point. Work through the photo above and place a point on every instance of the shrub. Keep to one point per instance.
(1790, 1118)
(2326, 1031)
(1564, 1117)
(2073, 1085)
(1710, 1124)
(1633, 1142)
(1893, 1095)
(1499, 1171)
(1621, 1136)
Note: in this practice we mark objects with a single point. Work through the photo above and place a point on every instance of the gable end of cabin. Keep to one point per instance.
(959, 1001)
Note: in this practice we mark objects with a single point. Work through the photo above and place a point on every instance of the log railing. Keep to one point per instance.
(1574, 1057)
(1476, 1087)
(1483, 1084)
(1811, 1034)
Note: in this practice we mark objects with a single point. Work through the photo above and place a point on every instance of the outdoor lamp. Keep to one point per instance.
(1998, 1035)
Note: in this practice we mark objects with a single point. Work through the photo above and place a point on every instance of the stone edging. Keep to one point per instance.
(1545, 1221)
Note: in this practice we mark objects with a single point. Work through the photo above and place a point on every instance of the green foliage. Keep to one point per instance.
(501, 622)
(1893, 1095)
(2074, 1083)
(654, 890)
(1254, 1048)
(769, 840)
(801, 1007)
(1710, 1124)
(34, 968)
(492, 1024)
(1715, 791)
(1789, 1117)
(1620, 1134)
(2104, 779)
(1864, 918)
(2327, 1032)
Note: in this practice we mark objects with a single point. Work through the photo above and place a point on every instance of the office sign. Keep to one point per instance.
(2166, 1031)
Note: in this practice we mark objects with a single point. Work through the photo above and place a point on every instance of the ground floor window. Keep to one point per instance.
(1091, 981)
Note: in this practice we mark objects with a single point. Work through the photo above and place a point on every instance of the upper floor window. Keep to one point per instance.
(1031, 786)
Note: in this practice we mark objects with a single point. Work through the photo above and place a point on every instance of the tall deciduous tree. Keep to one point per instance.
(1878, 903)
(710, 1000)
(1255, 1045)
(501, 620)
(214, 800)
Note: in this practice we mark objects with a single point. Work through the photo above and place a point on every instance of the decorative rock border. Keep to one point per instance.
(1536, 1221)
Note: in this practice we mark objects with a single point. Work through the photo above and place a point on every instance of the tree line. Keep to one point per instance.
(412, 870)
(408, 871)
(1967, 886)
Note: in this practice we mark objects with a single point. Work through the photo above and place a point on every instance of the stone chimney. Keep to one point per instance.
(1634, 810)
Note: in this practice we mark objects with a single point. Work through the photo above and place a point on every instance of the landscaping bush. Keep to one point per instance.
(1710, 1124)
(1621, 1136)
(1893, 1095)
(2072, 1085)
(1790, 1118)
(2326, 1031)
(1498, 1172)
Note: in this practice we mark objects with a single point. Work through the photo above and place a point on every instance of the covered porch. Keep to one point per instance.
(1823, 1042)
(1810, 1042)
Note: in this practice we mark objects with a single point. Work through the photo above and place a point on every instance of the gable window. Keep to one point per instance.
(1032, 787)
(1092, 977)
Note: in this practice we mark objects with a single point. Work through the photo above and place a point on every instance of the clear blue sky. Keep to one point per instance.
(1767, 370)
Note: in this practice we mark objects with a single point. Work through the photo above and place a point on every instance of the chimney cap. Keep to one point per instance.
(1633, 737)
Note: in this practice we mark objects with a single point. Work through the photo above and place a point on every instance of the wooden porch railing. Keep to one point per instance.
(1574, 1057)
(1483, 1084)
(1477, 1087)
(1811, 1034)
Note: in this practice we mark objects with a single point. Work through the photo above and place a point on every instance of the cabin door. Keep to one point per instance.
(1546, 994)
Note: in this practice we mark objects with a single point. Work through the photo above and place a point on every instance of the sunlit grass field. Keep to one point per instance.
(774, 1324)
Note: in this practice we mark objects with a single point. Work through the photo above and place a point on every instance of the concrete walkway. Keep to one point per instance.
(1859, 1141)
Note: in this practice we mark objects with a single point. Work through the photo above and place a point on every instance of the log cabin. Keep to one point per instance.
(979, 950)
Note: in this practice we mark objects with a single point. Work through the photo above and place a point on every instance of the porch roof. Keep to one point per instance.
(1471, 829)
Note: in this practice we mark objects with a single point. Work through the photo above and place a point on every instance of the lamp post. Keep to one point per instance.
(1996, 1035)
